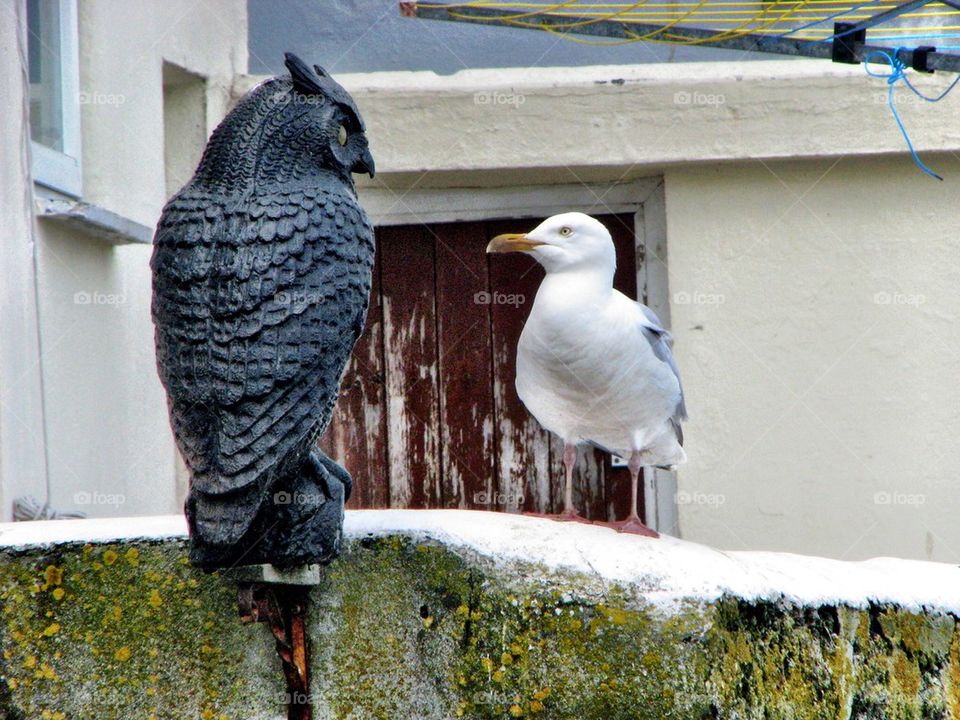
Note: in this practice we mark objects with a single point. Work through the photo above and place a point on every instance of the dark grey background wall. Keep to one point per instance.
(369, 35)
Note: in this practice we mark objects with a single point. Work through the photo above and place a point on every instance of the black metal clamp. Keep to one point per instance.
(845, 42)
(921, 57)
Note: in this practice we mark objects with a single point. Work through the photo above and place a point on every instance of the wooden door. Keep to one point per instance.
(428, 415)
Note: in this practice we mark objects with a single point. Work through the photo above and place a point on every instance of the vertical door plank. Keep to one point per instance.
(522, 446)
(466, 388)
(410, 359)
(625, 280)
(357, 436)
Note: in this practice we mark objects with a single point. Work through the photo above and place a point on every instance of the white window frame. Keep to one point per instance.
(62, 171)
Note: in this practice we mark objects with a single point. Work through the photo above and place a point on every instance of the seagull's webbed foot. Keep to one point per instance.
(632, 525)
(565, 516)
(569, 516)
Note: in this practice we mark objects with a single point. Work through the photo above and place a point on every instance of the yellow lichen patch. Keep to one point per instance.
(953, 678)
(614, 615)
(53, 575)
(132, 556)
(45, 672)
(51, 629)
(516, 711)
(155, 600)
(122, 655)
(109, 557)
(907, 674)
(58, 594)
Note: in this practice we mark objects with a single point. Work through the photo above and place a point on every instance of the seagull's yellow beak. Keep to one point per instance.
(512, 242)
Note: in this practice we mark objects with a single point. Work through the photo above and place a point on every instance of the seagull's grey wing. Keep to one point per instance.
(661, 342)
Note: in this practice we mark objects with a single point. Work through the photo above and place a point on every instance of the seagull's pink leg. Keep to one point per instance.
(569, 511)
(633, 524)
(569, 462)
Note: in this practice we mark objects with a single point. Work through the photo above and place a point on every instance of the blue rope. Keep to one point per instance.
(922, 36)
(895, 75)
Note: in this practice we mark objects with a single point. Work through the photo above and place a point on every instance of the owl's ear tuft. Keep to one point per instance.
(320, 71)
(303, 80)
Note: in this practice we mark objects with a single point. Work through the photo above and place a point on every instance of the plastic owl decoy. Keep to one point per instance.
(261, 277)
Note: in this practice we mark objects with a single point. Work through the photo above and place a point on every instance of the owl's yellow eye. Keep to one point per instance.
(342, 135)
(566, 231)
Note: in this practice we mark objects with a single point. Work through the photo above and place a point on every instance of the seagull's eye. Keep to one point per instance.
(342, 135)
(566, 231)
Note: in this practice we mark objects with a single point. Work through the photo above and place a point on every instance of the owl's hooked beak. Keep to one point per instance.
(365, 164)
(512, 242)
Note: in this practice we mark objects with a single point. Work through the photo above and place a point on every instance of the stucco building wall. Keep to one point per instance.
(815, 308)
(109, 446)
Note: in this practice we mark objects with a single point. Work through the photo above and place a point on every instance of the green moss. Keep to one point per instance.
(405, 630)
(781, 662)
(120, 632)
(491, 646)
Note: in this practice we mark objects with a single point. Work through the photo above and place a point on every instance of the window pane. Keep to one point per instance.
(43, 49)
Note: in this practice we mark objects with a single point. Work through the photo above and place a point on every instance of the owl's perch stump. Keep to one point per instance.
(280, 598)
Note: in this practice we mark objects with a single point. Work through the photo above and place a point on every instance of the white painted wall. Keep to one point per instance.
(108, 435)
(22, 459)
(816, 310)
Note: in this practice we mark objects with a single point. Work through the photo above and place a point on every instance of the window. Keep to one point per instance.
(53, 69)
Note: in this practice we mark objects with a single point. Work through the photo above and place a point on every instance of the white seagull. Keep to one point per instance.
(594, 366)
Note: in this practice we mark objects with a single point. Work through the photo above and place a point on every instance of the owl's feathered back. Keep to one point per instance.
(261, 277)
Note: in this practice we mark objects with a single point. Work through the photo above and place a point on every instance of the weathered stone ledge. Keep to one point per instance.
(440, 614)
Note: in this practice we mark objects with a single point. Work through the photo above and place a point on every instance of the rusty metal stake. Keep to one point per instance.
(284, 609)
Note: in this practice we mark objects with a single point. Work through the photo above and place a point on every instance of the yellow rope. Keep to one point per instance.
(729, 19)
(540, 7)
(606, 11)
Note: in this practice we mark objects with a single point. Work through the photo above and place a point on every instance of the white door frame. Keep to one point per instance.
(644, 198)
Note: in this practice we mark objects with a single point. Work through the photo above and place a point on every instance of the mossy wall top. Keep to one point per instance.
(405, 626)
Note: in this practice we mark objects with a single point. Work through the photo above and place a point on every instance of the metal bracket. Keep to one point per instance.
(847, 38)
(921, 56)
(280, 598)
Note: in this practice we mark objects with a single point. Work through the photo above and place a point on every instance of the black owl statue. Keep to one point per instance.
(261, 277)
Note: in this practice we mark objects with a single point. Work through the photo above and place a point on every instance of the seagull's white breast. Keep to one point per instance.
(586, 371)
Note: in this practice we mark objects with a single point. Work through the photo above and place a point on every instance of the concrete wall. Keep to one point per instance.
(22, 460)
(105, 619)
(815, 306)
(109, 444)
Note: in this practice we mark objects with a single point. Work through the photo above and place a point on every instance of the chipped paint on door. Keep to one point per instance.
(429, 415)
